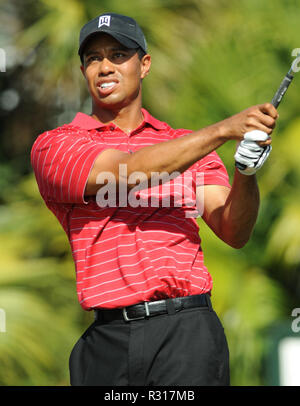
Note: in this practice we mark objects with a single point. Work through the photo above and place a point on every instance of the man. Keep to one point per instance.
(140, 266)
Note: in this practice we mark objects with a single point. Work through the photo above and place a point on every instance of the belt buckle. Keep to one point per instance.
(126, 318)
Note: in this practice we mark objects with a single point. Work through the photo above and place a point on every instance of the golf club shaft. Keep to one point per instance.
(276, 100)
(282, 89)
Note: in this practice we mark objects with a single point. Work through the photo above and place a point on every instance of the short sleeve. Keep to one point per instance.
(62, 162)
(210, 170)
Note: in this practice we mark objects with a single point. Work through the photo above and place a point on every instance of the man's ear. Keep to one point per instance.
(82, 70)
(145, 65)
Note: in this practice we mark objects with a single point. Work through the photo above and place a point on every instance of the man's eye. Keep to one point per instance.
(92, 58)
(119, 55)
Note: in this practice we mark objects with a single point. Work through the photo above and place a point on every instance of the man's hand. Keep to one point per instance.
(251, 155)
(260, 117)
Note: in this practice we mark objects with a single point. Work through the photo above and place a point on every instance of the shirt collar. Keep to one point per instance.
(158, 125)
(87, 122)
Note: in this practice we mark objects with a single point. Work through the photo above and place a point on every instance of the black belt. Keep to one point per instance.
(148, 309)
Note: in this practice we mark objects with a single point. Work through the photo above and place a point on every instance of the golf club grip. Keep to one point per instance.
(281, 90)
(275, 101)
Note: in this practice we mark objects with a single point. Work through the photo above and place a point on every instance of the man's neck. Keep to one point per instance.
(127, 118)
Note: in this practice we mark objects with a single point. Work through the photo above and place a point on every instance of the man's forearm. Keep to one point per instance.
(168, 156)
(241, 210)
(179, 154)
(176, 155)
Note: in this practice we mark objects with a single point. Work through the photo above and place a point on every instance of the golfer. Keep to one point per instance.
(127, 189)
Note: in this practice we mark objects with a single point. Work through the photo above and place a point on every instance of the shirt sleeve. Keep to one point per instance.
(62, 163)
(210, 170)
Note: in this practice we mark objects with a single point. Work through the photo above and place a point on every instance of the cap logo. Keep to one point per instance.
(104, 20)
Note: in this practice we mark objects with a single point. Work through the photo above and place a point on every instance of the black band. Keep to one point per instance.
(149, 309)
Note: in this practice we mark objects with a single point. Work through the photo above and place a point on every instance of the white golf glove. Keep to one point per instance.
(250, 156)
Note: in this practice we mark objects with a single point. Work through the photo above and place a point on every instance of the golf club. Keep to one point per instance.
(278, 96)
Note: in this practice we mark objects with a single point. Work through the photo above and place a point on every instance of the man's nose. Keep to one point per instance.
(106, 67)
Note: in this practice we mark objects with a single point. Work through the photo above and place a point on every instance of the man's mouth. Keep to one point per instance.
(106, 88)
(107, 85)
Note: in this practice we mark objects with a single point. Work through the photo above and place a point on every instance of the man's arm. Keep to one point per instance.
(175, 155)
(179, 154)
(231, 213)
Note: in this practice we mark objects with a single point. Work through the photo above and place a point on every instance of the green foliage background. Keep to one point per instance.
(211, 59)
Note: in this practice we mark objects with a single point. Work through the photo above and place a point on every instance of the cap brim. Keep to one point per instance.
(125, 41)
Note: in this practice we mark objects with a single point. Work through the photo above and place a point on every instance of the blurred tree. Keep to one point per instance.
(37, 292)
(210, 60)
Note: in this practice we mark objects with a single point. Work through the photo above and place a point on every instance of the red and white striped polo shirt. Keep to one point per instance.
(124, 255)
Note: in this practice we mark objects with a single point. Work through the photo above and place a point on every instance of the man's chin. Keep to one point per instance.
(110, 103)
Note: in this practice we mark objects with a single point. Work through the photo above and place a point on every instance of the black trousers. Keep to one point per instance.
(188, 348)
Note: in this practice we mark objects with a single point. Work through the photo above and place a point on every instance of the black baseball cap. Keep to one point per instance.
(124, 29)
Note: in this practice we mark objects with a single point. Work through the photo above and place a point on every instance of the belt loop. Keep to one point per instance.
(208, 302)
(170, 306)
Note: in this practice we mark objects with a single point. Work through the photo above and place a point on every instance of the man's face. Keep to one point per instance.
(113, 72)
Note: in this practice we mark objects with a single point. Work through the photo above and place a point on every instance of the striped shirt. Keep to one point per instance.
(125, 253)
